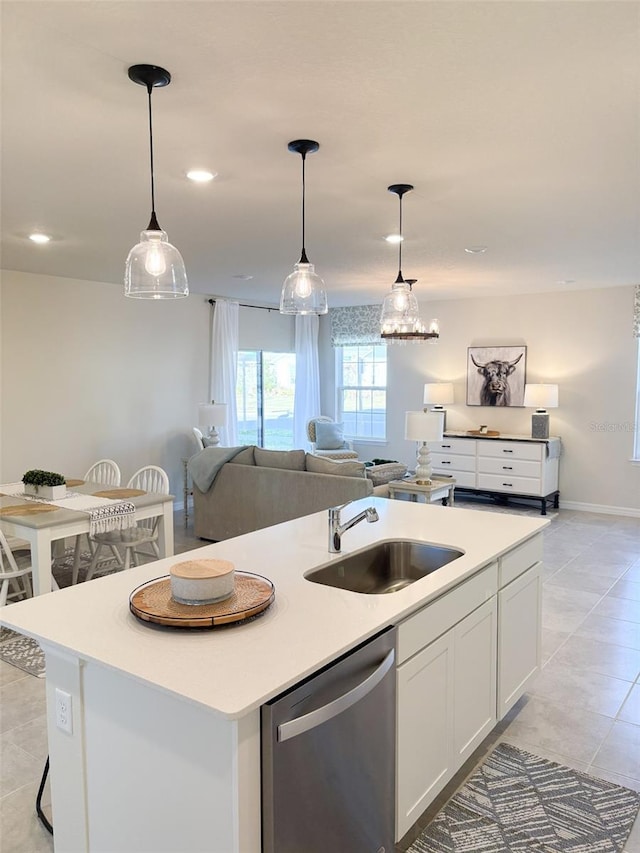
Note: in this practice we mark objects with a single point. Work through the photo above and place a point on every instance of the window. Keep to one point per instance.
(264, 397)
(361, 373)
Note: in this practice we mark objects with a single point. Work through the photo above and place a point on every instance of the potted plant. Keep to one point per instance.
(44, 484)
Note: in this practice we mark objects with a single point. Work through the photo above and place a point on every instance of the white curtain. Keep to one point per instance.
(306, 401)
(224, 365)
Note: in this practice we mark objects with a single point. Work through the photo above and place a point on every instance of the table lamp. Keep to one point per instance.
(540, 398)
(212, 415)
(423, 427)
(438, 394)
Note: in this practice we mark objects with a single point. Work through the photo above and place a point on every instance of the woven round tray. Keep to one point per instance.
(152, 602)
(492, 433)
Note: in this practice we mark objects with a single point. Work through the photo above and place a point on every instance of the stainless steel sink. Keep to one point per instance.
(386, 567)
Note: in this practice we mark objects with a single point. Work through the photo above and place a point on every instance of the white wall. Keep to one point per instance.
(582, 340)
(86, 374)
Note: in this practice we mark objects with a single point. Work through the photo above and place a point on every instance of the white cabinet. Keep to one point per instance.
(425, 730)
(474, 683)
(446, 691)
(463, 662)
(519, 653)
(519, 466)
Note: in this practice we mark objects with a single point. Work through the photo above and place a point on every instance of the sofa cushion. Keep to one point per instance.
(381, 474)
(245, 457)
(329, 435)
(322, 465)
(292, 460)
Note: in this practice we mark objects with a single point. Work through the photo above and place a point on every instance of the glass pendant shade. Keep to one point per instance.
(400, 313)
(303, 292)
(155, 269)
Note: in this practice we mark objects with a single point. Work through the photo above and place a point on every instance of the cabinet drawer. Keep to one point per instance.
(451, 463)
(516, 562)
(464, 479)
(463, 446)
(511, 449)
(512, 467)
(432, 621)
(506, 483)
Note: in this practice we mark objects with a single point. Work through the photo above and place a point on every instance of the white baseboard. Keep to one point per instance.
(603, 509)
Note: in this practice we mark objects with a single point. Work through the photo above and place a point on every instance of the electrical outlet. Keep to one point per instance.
(64, 718)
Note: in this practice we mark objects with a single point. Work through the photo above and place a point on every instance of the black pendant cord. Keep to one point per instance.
(400, 279)
(48, 826)
(153, 222)
(303, 255)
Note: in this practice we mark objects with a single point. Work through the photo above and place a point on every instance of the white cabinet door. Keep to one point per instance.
(425, 730)
(475, 644)
(519, 652)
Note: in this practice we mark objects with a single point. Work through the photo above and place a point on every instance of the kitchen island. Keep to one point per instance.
(164, 748)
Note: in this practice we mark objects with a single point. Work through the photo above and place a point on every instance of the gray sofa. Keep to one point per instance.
(258, 488)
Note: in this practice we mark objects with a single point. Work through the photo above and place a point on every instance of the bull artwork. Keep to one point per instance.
(494, 382)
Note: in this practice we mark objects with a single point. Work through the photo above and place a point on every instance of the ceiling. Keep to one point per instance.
(517, 122)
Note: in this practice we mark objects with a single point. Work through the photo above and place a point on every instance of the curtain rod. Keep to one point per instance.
(244, 305)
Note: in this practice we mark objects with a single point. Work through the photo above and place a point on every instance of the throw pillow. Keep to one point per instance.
(382, 474)
(329, 435)
(292, 460)
(348, 468)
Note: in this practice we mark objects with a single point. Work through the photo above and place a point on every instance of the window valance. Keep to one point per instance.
(358, 324)
(636, 312)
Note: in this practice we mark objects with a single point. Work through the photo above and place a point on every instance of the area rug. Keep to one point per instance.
(22, 652)
(520, 802)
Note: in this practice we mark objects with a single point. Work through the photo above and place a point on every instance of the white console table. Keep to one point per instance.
(503, 466)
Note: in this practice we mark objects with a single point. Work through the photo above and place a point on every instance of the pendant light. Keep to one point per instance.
(303, 291)
(154, 268)
(400, 315)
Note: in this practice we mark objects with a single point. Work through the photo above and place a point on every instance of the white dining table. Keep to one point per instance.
(42, 529)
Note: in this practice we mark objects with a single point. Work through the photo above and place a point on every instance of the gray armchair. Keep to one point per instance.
(327, 441)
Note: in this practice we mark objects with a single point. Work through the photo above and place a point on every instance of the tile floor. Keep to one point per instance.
(583, 711)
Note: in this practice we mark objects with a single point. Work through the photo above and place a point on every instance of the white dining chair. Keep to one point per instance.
(151, 478)
(15, 571)
(106, 472)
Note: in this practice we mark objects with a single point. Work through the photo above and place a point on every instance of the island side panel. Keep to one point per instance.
(66, 754)
(147, 770)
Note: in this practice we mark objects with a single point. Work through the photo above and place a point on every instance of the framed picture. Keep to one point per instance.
(496, 376)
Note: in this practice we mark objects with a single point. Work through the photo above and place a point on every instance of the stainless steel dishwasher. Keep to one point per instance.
(328, 757)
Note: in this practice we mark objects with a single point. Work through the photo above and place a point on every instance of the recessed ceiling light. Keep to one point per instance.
(201, 176)
(39, 238)
(394, 238)
(566, 281)
(243, 277)
(476, 250)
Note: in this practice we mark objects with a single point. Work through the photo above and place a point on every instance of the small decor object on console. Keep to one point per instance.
(44, 484)
(540, 397)
(423, 427)
(202, 581)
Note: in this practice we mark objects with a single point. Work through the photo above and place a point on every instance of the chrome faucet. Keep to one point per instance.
(336, 530)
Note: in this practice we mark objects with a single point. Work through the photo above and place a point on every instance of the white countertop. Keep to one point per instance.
(232, 670)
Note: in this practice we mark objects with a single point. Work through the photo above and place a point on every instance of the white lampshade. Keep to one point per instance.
(438, 393)
(423, 426)
(541, 396)
(212, 414)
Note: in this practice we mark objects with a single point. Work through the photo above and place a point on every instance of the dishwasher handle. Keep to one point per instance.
(336, 706)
